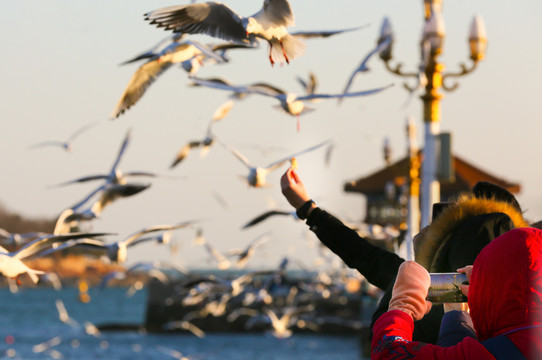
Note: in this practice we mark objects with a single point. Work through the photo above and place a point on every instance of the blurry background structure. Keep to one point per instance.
(61, 72)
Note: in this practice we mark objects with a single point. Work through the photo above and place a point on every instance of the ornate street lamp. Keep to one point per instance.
(430, 76)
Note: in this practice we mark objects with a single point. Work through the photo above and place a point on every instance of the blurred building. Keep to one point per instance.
(386, 190)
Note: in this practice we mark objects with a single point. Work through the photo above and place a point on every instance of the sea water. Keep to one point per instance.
(30, 328)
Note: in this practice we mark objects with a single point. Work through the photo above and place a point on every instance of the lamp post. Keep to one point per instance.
(431, 78)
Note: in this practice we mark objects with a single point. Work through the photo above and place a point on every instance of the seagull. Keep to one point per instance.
(117, 252)
(115, 186)
(362, 67)
(257, 175)
(222, 262)
(243, 255)
(115, 176)
(68, 144)
(12, 265)
(281, 324)
(270, 23)
(291, 103)
(174, 353)
(146, 74)
(209, 138)
(63, 314)
(186, 325)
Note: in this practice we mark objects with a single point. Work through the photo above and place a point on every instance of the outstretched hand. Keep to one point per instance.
(293, 188)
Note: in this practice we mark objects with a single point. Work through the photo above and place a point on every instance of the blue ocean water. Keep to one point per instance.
(31, 329)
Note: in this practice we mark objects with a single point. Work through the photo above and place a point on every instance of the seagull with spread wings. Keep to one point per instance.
(243, 255)
(146, 74)
(115, 186)
(208, 140)
(257, 175)
(270, 23)
(291, 103)
(68, 144)
(117, 251)
(12, 265)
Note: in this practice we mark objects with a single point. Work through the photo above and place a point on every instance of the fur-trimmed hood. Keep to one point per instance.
(432, 238)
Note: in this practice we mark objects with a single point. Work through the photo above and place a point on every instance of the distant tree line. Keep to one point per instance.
(16, 223)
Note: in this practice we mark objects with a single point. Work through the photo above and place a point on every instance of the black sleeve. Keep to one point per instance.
(377, 265)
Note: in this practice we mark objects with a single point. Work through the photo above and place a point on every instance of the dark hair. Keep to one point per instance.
(487, 190)
(437, 209)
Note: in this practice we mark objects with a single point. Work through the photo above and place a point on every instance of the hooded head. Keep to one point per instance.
(487, 190)
(505, 290)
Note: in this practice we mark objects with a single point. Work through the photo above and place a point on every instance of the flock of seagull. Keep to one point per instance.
(270, 25)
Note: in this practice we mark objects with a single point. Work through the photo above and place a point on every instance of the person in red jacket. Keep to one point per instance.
(504, 298)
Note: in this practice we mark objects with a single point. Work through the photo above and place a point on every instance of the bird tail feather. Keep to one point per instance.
(293, 47)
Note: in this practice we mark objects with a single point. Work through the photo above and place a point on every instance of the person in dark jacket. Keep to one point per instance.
(451, 241)
(504, 298)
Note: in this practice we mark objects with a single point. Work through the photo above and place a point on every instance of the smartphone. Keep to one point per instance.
(444, 288)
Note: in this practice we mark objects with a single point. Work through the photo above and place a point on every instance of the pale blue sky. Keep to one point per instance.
(60, 71)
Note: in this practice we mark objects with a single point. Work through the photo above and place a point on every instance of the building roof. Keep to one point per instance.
(466, 175)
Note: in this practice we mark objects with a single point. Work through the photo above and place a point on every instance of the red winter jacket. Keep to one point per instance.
(505, 297)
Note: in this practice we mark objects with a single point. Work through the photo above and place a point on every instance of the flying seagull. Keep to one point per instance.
(146, 74)
(209, 138)
(257, 174)
(68, 144)
(12, 265)
(291, 103)
(270, 23)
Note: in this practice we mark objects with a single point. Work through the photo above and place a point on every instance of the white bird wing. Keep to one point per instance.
(278, 163)
(221, 84)
(220, 113)
(130, 239)
(140, 81)
(156, 49)
(207, 51)
(238, 155)
(260, 240)
(122, 150)
(37, 245)
(81, 130)
(76, 206)
(184, 151)
(310, 85)
(210, 18)
(92, 245)
(352, 94)
(275, 13)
